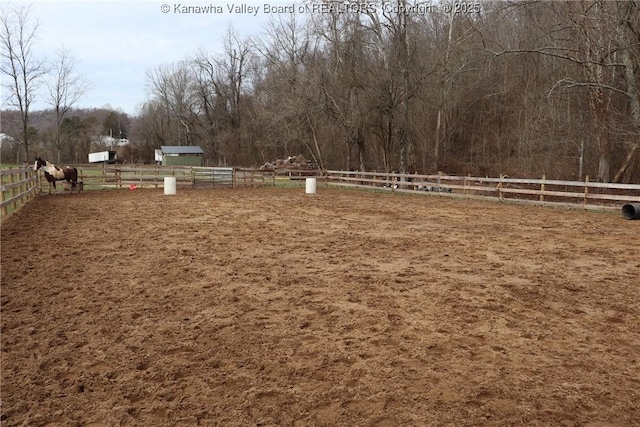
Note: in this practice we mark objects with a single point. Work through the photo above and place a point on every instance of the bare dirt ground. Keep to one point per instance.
(271, 307)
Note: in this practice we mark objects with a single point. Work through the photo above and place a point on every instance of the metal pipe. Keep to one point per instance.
(631, 211)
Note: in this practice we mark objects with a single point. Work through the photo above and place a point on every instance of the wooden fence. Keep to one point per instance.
(17, 186)
(117, 176)
(571, 194)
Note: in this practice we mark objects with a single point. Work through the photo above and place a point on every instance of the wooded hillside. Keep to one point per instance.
(487, 88)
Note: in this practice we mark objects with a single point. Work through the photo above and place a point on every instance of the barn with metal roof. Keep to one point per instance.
(180, 155)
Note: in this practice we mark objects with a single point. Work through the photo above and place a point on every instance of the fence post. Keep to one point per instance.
(22, 177)
(5, 210)
(12, 180)
(500, 187)
(542, 188)
(586, 190)
(34, 178)
(24, 188)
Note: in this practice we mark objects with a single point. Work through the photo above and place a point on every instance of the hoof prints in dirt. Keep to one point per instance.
(266, 307)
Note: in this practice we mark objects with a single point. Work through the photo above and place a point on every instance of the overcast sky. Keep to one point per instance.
(117, 41)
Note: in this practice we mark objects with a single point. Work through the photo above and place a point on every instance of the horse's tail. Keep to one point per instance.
(74, 177)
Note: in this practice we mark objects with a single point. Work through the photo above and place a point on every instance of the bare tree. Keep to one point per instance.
(591, 35)
(290, 87)
(232, 69)
(218, 87)
(19, 64)
(171, 86)
(65, 88)
(343, 75)
(207, 105)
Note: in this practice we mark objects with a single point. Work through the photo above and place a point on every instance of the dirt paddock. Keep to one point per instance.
(270, 307)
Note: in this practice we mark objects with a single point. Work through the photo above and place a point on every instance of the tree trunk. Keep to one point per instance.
(361, 148)
(436, 146)
(444, 90)
(602, 135)
(404, 132)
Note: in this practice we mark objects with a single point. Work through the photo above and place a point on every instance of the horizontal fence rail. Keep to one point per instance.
(573, 194)
(17, 186)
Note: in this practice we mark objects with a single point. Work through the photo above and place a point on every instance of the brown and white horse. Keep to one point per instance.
(55, 173)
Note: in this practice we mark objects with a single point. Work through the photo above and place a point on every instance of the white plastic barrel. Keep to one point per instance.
(169, 185)
(311, 186)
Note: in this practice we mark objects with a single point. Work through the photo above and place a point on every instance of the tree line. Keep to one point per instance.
(481, 88)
